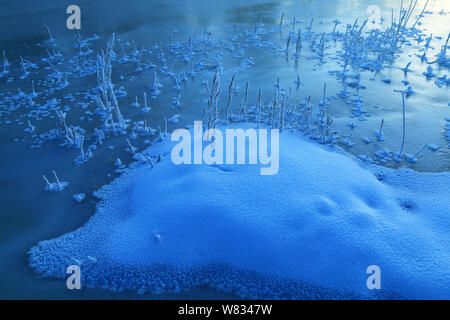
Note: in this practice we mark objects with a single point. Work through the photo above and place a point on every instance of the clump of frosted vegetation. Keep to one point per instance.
(56, 186)
(72, 135)
(79, 197)
(84, 156)
(282, 113)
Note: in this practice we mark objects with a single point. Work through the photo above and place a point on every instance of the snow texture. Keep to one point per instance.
(309, 231)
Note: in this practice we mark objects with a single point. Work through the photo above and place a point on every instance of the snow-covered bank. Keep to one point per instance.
(322, 220)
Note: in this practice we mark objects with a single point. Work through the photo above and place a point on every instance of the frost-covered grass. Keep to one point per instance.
(308, 232)
(348, 51)
(331, 81)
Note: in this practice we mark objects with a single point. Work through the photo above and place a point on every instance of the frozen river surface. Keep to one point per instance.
(359, 97)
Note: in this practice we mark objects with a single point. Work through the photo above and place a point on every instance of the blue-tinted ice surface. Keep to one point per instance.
(309, 231)
(159, 79)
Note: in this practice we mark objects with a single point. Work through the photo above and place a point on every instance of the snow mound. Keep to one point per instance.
(309, 231)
